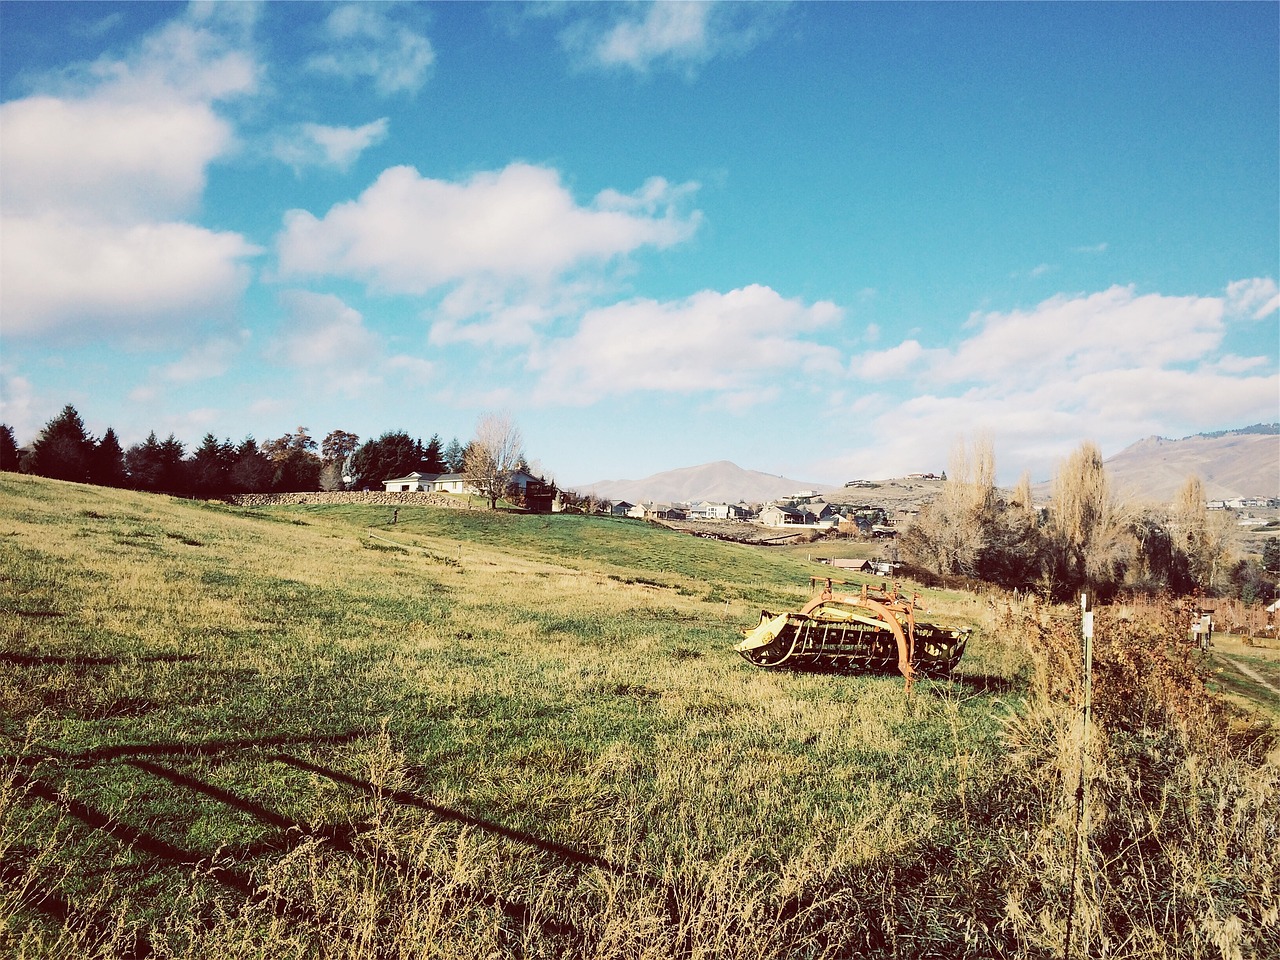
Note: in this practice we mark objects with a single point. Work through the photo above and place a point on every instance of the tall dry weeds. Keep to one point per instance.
(1175, 850)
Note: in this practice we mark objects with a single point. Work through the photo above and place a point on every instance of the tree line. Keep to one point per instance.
(65, 450)
(1087, 539)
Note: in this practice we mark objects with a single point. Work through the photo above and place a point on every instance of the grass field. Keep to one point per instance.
(308, 731)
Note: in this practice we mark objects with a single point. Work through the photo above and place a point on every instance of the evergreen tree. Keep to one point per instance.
(433, 456)
(1271, 556)
(8, 449)
(63, 450)
(143, 461)
(173, 468)
(209, 469)
(251, 471)
(107, 466)
(393, 454)
(455, 456)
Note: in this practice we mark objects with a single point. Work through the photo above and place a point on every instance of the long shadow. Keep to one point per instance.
(343, 839)
(88, 660)
(983, 682)
(147, 843)
(204, 748)
(89, 758)
(50, 904)
(445, 813)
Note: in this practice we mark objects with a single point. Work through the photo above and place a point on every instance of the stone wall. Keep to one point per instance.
(364, 497)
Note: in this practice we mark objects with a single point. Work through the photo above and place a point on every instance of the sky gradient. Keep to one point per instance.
(822, 240)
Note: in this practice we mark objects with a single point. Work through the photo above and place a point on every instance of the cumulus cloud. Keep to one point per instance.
(101, 158)
(412, 234)
(1255, 298)
(211, 358)
(681, 36)
(322, 331)
(318, 145)
(1111, 366)
(325, 340)
(721, 343)
(371, 40)
(891, 364)
(97, 175)
(78, 280)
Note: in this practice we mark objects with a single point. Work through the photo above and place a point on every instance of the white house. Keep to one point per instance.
(412, 483)
(452, 483)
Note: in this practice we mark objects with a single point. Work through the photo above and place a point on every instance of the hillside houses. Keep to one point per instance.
(522, 483)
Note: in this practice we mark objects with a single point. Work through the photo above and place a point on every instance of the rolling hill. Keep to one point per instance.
(720, 482)
(1238, 463)
(1233, 463)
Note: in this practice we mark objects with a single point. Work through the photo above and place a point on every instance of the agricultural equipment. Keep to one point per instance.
(868, 630)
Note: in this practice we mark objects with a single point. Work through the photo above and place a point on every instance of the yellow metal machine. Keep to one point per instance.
(866, 630)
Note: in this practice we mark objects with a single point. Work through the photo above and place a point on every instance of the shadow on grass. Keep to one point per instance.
(345, 840)
(96, 926)
(288, 834)
(88, 660)
(404, 798)
(983, 683)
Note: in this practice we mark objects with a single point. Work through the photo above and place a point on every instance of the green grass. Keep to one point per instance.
(304, 730)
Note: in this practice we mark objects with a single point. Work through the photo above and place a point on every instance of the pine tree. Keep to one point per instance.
(9, 457)
(107, 466)
(455, 456)
(63, 451)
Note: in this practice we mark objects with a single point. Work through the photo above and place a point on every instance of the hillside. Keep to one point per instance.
(719, 482)
(1237, 463)
(249, 732)
(1234, 464)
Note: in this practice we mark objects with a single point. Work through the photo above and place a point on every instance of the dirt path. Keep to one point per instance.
(1251, 673)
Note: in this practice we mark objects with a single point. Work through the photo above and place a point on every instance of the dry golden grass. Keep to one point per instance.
(301, 732)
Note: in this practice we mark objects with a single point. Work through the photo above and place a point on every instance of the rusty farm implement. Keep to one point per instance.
(867, 630)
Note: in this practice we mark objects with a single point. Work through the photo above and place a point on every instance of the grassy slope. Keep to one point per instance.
(502, 733)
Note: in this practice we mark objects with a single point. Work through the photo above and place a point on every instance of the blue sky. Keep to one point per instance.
(822, 240)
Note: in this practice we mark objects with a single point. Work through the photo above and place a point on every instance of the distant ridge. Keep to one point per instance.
(719, 482)
(1230, 463)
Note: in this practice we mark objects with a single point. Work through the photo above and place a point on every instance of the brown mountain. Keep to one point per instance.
(720, 482)
(1238, 463)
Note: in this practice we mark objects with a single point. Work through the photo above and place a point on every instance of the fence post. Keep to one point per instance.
(1086, 651)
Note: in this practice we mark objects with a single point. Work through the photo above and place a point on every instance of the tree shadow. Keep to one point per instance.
(345, 839)
(404, 798)
(88, 660)
(982, 683)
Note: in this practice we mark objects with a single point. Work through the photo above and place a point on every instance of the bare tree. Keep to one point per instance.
(1202, 537)
(1092, 544)
(953, 531)
(493, 456)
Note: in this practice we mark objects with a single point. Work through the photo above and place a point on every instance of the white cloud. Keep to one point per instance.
(80, 279)
(317, 145)
(326, 341)
(1070, 336)
(365, 40)
(411, 234)
(322, 331)
(725, 343)
(19, 405)
(101, 158)
(891, 364)
(1111, 367)
(1257, 297)
(206, 360)
(683, 36)
(95, 177)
